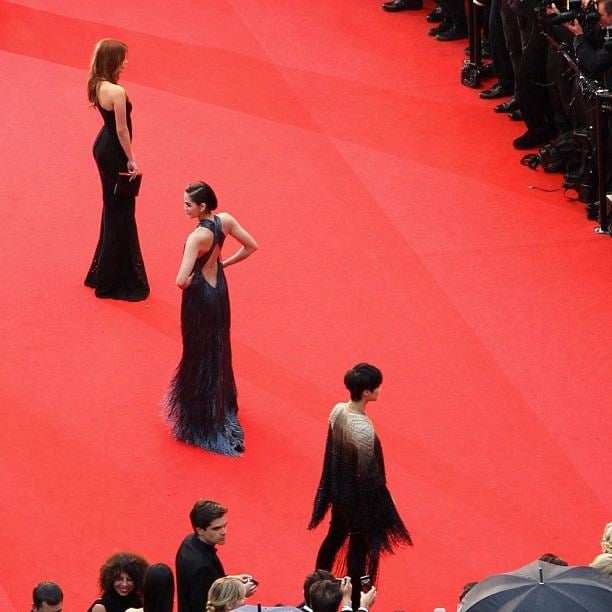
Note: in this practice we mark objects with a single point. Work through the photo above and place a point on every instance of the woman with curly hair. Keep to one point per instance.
(226, 594)
(121, 583)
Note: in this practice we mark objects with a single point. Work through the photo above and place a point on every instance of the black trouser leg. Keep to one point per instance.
(357, 554)
(512, 36)
(337, 534)
(531, 81)
(499, 50)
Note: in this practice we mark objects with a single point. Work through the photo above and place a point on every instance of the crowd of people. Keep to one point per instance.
(549, 58)
(129, 584)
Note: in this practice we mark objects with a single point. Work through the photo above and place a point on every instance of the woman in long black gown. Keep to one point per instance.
(117, 270)
(202, 405)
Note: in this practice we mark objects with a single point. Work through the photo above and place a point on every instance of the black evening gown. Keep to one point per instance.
(117, 270)
(202, 400)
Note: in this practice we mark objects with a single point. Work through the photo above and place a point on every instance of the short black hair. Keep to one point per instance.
(202, 193)
(325, 596)
(316, 576)
(204, 512)
(362, 377)
(47, 592)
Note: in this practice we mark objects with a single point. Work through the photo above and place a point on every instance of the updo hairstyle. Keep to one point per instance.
(202, 193)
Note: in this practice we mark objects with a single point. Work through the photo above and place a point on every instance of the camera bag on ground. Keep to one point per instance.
(571, 155)
(568, 155)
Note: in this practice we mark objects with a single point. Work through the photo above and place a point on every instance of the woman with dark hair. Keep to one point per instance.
(117, 270)
(202, 404)
(158, 590)
(121, 583)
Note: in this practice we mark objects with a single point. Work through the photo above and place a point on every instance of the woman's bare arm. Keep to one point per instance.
(118, 99)
(236, 231)
(195, 244)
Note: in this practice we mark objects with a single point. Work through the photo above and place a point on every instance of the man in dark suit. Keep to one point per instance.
(197, 563)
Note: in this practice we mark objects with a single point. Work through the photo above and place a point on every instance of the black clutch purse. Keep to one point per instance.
(127, 185)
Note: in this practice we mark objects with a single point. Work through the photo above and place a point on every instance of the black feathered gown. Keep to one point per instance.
(202, 402)
(117, 270)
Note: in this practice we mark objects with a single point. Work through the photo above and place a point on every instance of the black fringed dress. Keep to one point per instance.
(117, 270)
(202, 404)
(353, 484)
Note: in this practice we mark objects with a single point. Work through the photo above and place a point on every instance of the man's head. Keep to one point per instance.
(605, 13)
(316, 576)
(364, 380)
(325, 596)
(47, 597)
(208, 521)
(552, 558)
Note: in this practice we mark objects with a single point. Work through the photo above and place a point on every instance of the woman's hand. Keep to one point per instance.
(132, 168)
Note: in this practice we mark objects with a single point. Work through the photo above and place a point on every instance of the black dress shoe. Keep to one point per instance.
(436, 16)
(497, 91)
(532, 139)
(453, 33)
(507, 107)
(402, 5)
(516, 115)
(446, 25)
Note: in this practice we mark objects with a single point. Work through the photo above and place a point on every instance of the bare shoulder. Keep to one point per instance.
(98, 608)
(110, 94)
(226, 218)
(200, 236)
(227, 221)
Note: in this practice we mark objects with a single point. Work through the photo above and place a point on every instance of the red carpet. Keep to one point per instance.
(395, 225)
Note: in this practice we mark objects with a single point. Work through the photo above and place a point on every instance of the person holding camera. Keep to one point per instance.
(591, 47)
(327, 595)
